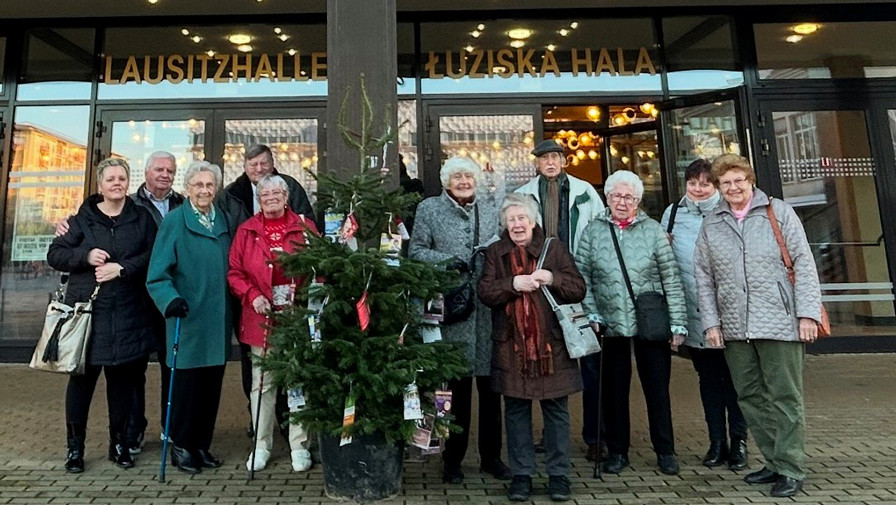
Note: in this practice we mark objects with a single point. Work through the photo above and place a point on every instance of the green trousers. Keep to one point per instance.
(768, 378)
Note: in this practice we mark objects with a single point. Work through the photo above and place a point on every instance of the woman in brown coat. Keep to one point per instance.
(529, 360)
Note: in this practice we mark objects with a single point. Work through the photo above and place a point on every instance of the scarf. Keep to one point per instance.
(741, 214)
(703, 207)
(532, 349)
(552, 208)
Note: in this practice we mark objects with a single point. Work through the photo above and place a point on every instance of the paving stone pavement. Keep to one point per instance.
(851, 446)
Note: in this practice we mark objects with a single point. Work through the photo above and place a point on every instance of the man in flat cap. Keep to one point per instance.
(567, 204)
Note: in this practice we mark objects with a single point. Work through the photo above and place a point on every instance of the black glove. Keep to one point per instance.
(177, 308)
(460, 266)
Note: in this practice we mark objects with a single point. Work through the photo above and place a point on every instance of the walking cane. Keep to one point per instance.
(168, 409)
(264, 352)
(600, 407)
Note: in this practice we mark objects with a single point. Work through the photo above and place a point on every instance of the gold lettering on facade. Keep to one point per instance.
(318, 66)
(223, 60)
(264, 69)
(604, 63)
(577, 62)
(449, 66)
(525, 62)
(620, 58)
(431, 66)
(131, 71)
(175, 73)
(477, 55)
(107, 75)
(245, 68)
(549, 64)
(160, 67)
(491, 62)
(644, 63)
(507, 67)
(203, 72)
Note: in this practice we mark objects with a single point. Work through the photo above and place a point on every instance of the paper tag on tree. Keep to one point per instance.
(412, 409)
(423, 433)
(314, 328)
(430, 333)
(348, 419)
(390, 245)
(363, 312)
(333, 225)
(295, 399)
(402, 229)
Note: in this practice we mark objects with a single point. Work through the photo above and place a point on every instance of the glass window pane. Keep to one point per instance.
(700, 54)
(58, 64)
(2, 59)
(574, 127)
(829, 177)
(538, 56)
(46, 184)
(825, 51)
(701, 131)
(636, 152)
(407, 135)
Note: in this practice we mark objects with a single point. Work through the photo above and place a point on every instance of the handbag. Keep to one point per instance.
(651, 311)
(63, 343)
(458, 302)
(578, 335)
(824, 327)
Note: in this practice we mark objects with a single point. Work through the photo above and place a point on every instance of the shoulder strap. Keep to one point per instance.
(628, 282)
(672, 217)
(544, 252)
(779, 237)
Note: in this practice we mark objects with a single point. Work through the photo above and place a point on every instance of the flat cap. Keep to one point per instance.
(547, 146)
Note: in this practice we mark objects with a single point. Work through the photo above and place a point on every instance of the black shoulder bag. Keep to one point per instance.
(651, 312)
(460, 301)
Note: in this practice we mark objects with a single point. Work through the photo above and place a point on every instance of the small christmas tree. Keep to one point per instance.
(370, 346)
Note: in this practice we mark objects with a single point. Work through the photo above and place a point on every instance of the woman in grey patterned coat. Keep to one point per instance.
(450, 228)
(748, 304)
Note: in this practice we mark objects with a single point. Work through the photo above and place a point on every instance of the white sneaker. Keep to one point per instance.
(301, 460)
(261, 459)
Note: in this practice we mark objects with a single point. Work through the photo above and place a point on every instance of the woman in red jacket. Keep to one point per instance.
(261, 285)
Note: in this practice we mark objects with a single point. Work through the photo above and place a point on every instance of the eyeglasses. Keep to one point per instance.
(628, 199)
(739, 182)
(203, 185)
(268, 194)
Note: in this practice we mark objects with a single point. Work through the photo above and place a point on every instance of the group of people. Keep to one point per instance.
(714, 258)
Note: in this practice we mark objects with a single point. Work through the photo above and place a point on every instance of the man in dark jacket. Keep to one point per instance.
(238, 201)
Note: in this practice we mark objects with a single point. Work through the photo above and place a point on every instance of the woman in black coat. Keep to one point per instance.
(108, 244)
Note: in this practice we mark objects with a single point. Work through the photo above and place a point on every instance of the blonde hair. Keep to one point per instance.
(728, 162)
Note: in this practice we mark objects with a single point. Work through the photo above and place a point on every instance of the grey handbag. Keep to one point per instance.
(577, 332)
(62, 347)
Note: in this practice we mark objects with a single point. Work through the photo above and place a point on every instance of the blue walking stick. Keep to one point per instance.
(168, 410)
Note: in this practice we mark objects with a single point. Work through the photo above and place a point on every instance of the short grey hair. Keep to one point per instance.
(526, 202)
(459, 164)
(112, 162)
(160, 155)
(203, 166)
(625, 178)
(257, 150)
(271, 181)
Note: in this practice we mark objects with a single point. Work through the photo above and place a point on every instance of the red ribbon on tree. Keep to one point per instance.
(363, 311)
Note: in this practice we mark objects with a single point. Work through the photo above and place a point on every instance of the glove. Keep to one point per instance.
(459, 265)
(177, 308)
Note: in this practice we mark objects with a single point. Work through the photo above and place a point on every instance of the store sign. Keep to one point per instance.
(177, 68)
(480, 63)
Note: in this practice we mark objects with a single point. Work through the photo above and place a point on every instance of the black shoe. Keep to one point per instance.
(184, 461)
(615, 463)
(539, 446)
(520, 488)
(136, 446)
(74, 459)
(668, 464)
(717, 454)
(120, 455)
(786, 486)
(497, 469)
(761, 476)
(452, 475)
(737, 458)
(558, 488)
(206, 460)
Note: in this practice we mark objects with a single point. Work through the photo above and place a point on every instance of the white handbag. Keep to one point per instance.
(62, 347)
(577, 332)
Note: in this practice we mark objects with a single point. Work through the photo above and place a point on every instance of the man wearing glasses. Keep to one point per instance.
(567, 204)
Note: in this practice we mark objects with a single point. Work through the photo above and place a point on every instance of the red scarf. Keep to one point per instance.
(532, 349)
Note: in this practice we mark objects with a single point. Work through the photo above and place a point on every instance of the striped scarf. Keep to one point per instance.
(532, 349)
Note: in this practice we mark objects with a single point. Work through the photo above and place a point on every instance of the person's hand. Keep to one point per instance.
(525, 283)
(677, 340)
(261, 305)
(459, 266)
(543, 277)
(808, 330)
(714, 337)
(596, 328)
(177, 308)
(62, 227)
(97, 257)
(108, 271)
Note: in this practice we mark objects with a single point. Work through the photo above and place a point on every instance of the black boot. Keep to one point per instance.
(717, 454)
(118, 449)
(74, 459)
(737, 460)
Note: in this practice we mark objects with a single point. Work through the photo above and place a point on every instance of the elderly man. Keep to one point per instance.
(567, 204)
(238, 201)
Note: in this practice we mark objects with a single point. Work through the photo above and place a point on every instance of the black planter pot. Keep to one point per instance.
(365, 470)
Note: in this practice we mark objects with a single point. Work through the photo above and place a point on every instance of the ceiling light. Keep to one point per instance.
(245, 48)
(469, 49)
(196, 38)
(284, 37)
(277, 30)
(480, 26)
(475, 34)
(519, 33)
(551, 47)
(292, 52)
(185, 32)
(517, 43)
(806, 28)
(793, 39)
(153, 2)
(564, 32)
(210, 53)
(574, 25)
(239, 38)
(593, 113)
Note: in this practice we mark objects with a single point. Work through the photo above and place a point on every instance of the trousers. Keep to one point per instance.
(263, 383)
(521, 447)
(489, 442)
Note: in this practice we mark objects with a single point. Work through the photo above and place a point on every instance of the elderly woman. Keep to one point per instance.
(650, 265)
(682, 220)
(258, 281)
(748, 304)
(187, 280)
(452, 227)
(530, 361)
(108, 244)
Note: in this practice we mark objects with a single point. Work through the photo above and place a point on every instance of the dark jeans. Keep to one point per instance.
(121, 381)
(194, 406)
(520, 446)
(718, 395)
(489, 421)
(654, 362)
(590, 366)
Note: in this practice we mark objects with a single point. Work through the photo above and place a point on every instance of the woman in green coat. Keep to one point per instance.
(187, 279)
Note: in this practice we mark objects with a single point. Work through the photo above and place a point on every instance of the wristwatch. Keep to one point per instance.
(121, 272)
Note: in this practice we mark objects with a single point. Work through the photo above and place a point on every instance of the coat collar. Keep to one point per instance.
(294, 223)
(607, 217)
(192, 222)
(451, 202)
(505, 245)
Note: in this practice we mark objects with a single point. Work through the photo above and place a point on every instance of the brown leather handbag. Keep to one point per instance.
(824, 327)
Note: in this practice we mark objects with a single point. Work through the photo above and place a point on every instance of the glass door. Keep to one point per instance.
(818, 157)
(498, 138)
(635, 148)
